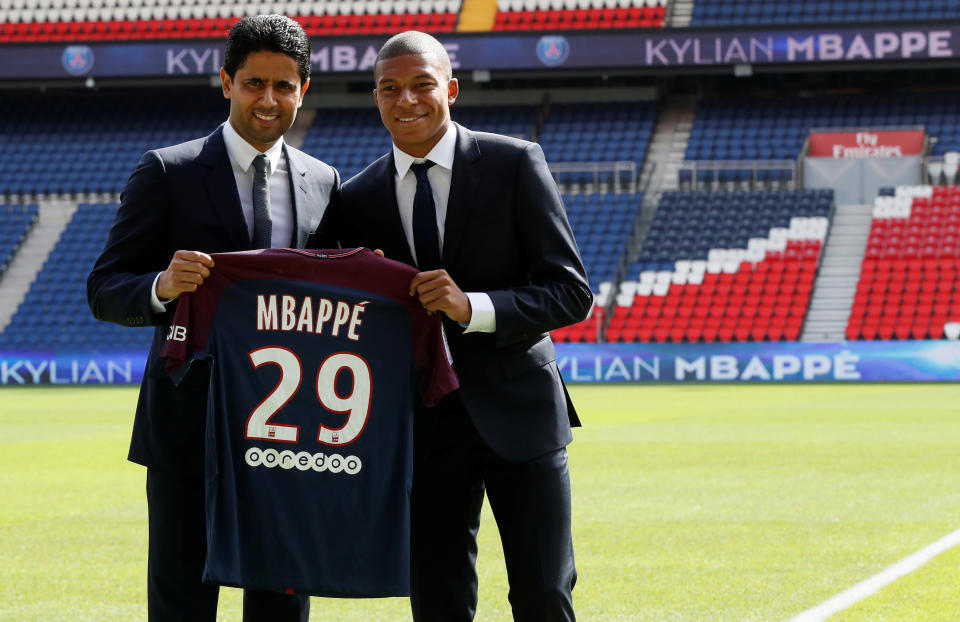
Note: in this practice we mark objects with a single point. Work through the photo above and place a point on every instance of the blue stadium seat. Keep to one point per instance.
(54, 313)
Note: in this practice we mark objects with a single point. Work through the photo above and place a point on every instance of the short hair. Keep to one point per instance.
(271, 33)
(419, 43)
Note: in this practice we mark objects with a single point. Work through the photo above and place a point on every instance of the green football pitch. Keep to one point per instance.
(704, 502)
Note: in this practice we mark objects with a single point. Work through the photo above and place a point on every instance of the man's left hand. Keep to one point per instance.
(437, 292)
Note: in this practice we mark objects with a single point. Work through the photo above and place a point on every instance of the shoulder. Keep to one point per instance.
(370, 177)
(183, 152)
(506, 149)
(499, 141)
(310, 163)
(184, 156)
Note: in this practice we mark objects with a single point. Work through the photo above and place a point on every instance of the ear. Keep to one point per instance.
(303, 91)
(225, 83)
(375, 99)
(453, 89)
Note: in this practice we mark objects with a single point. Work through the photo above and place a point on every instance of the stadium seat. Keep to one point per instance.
(913, 295)
(54, 314)
(742, 281)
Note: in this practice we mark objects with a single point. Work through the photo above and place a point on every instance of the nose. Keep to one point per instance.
(268, 98)
(407, 96)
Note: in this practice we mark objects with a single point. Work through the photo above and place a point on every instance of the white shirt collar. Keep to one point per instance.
(242, 153)
(441, 154)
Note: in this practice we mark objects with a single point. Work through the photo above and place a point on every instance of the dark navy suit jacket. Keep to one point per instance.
(183, 197)
(506, 234)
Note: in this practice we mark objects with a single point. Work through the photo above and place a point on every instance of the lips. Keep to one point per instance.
(266, 117)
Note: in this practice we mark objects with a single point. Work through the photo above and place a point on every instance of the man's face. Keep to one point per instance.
(264, 95)
(414, 97)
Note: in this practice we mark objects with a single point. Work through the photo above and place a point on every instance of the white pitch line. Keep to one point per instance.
(861, 590)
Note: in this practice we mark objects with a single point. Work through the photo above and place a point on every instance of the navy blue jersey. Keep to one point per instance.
(314, 358)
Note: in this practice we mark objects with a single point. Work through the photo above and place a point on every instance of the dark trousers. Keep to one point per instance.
(177, 551)
(531, 503)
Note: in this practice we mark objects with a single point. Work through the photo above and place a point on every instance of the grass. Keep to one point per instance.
(696, 502)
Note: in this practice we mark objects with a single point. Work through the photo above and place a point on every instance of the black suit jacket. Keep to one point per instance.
(183, 197)
(507, 235)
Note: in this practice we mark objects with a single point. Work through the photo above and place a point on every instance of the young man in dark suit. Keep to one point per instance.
(239, 188)
(480, 215)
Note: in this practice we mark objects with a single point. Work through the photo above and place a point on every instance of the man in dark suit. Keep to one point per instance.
(481, 217)
(239, 188)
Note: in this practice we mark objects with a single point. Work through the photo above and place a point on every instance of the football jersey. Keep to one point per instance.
(314, 358)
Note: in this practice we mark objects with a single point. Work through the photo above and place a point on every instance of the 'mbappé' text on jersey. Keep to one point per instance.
(315, 357)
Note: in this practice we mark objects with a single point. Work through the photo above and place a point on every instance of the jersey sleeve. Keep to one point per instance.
(436, 375)
(187, 337)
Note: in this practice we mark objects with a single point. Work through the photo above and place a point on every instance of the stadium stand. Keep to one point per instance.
(601, 223)
(93, 140)
(346, 138)
(518, 121)
(54, 313)
(775, 128)
(908, 282)
(721, 266)
(578, 14)
(97, 20)
(597, 133)
(724, 266)
(748, 12)
(15, 223)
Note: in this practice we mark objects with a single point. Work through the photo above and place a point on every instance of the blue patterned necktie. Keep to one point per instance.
(426, 240)
(262, 223)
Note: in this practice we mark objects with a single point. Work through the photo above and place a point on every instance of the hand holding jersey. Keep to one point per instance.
(437, 291)
(186, 273)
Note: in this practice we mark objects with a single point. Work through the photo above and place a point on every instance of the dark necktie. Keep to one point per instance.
(262, 224)
(426, 240)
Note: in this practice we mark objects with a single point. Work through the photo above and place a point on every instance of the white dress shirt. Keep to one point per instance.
(483, 317)
(241, 154)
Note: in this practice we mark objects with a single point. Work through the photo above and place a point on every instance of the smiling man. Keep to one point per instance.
(239, 188)
(481, 218)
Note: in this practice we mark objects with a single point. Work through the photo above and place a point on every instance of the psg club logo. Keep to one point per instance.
(77, 59)
(552, 50)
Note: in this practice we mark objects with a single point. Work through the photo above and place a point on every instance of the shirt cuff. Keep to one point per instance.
(483, 318)
(155, 303)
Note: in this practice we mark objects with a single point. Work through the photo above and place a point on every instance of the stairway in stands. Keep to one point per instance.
(54, 216)
(668, 144)
(839, 272)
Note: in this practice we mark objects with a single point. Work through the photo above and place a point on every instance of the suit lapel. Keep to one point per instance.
(222, 189)
(298, 197)
(463, 189)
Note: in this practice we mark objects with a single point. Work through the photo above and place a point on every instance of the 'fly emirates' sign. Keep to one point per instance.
(866, 144)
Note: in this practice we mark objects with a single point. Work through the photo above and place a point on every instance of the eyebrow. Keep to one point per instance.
(281, 82)
(416, 77)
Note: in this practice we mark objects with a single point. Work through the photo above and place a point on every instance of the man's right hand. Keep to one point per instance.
(186, 273)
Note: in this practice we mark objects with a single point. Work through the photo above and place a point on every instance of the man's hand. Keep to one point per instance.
(186, 273)
(437, 292)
